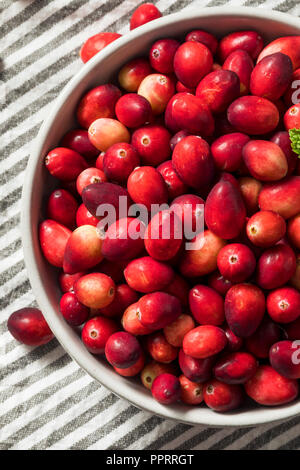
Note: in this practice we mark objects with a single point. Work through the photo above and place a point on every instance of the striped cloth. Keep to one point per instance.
(47, 401)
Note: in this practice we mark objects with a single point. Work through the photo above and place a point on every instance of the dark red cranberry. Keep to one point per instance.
(78, 140)
(96, 332)
(166, 389)
(73, 311)
(122, 350)
(29, 326)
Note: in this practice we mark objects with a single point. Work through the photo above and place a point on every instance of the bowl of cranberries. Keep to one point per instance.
(161, 216)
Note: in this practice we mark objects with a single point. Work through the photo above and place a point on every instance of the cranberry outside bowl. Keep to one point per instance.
(38, 183)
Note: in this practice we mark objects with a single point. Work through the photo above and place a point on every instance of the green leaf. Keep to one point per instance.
(295, 140)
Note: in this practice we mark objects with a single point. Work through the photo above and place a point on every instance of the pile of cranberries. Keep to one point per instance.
(198, 122)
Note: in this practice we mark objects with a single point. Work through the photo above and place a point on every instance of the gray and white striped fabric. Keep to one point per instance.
(47, 401)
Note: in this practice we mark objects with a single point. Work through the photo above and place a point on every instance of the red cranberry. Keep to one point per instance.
(284, 358)
(249, 41)
(235, 368)
(123, 239)
(197, 370)
(271, 76)
(62, 207)
(162, 53)
(204, 341)
(89, 176)
(282, 197)
(253, 115)
(265, 228)
(158, 90)
(122, 350)
(218, 89)
(217, 282)
(124, 297)
(67, 281)
(236, 262)
(28, 326)
(133, 370)
(187, 112)
(190, 209)
(78, 140)
(84, 217)
(131, 323)
(133, 110)
(95, 44)
(222, 397)
(148, 275)
(227, 151)
(119, 161)
(133, 73)
(193, 162)
(180, 88)
(176, 331)
(283, 304)
(234, 343)
(294, 231)
(267, 387)
(99, 161)
(260, 342)
(159, 348)
(166, 389)
(177, 138)
(244, 309)
(146, 186)
(180, 289)
(113, 269)
(153, 369)
(74, 312)
(292, 330)
(208, 39)
(83, 249)
(53, 240)
(143, 14)
(191, 392)
(158, 309)
(202, 260)
(207, 306)
(65, 164)
(225, 212)
(97, 103)
(94, 195)
(274, 165)
(250, 189)
(105, 132)
(163, 236)
(241, 63)
(96, 332)
(175, 185)
(192, 61)
(276, 266)
(152, 144)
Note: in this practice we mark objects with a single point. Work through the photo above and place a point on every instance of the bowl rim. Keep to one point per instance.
(187, 415)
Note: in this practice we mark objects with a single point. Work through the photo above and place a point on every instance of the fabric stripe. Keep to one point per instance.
(169, 436)
(287, 5)
(137, 433)
(54, 411)
(104, 430)
(81, 419)
(267, 436)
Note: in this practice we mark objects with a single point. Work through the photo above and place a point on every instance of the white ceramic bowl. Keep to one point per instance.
(218, 20)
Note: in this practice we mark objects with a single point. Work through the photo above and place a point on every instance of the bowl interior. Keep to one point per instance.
(38, 185)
